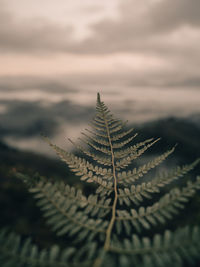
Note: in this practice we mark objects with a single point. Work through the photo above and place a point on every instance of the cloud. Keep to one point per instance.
(168, 16)
(31, 35)
(158, 27)
(92, 8)
(27, 83)
(81, 88)
(154, 27)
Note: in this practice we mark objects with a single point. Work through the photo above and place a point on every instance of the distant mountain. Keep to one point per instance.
(195, 118)
(183, 132)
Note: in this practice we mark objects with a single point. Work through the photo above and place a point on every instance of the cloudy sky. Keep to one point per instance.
(143, 56)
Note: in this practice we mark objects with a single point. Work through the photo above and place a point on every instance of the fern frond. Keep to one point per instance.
(17, 253)
(99, 215)
(117, 137)
(94, 205)
(104, 122)
(86, 170)
(68, 215)
(165, 208)
(117, 128)
(123, 143)
(98, 128)
(133, 175)
(136, 194)
(100, 159)
(95, 139)
(97, 134)
(105, 189)
(134, 155)
(99, 120)
(114, 125)
(132, 149)
(97, 148)
(104, 149)
(82, 167)
(171, 249)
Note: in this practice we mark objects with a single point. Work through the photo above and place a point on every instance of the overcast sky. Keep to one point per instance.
(145, 43)
(144, 56)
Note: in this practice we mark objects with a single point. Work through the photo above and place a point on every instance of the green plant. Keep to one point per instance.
(109, 227)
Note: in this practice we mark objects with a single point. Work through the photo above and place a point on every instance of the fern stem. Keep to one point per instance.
(106, 247)
(111, 224)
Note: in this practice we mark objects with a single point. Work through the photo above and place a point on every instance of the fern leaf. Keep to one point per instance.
(136, 194)
(100, 159)
(117, 137)
(99, 120)
(99, 216)
(63, 213)
(171, 249)
(104, 122)
(115, 124)
(97, 140)
(131, 176)
(17, 253)
(98, 128)
(97, 134)
(131, 149)
(127, 160)
(165, 208)
(97, 148)
(86, 170)
(82, 167)
(117, 128)
(95, 206)
(123, 143)
(105, 189)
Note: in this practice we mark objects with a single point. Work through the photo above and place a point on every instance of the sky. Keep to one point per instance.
(142, 56)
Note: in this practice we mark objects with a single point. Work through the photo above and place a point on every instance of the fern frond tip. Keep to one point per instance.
(98, 97)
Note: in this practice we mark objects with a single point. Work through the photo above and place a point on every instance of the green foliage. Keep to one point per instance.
(114, 225)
